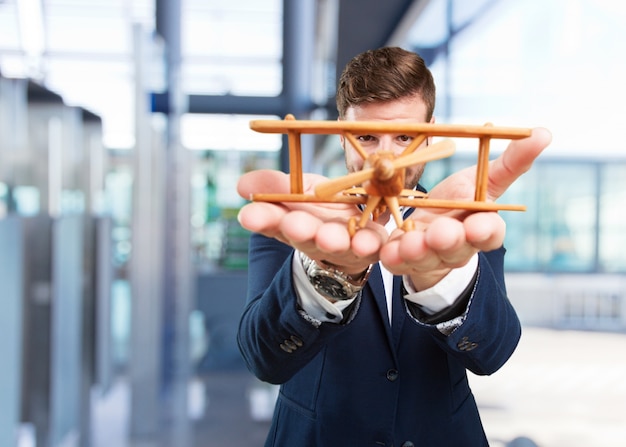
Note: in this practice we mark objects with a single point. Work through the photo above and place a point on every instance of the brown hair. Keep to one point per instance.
(385, 74)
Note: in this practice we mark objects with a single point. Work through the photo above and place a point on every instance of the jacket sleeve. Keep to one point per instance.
(490, 328)
(275, 338)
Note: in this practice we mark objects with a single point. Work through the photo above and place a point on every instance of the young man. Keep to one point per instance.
(370, 336)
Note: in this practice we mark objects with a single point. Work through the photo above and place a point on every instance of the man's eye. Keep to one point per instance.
(405, 138)
(365, 138)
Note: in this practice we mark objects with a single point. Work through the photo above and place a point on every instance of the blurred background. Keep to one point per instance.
(124, 129)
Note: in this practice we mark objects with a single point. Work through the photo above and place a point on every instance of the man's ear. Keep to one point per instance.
(342, 139)
(429, 140)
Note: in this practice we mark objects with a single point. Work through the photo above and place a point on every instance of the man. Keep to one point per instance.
(370, 336)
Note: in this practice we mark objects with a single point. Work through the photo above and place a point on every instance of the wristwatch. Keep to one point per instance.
(333, 283)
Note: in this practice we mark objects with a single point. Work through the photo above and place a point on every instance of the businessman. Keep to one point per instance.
(371, 336)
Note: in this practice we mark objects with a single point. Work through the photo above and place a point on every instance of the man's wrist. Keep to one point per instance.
(446, 292)
(311, 302)
(428, 281)
(332, 283)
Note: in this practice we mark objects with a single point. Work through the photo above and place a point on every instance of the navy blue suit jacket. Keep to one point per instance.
(364, 382)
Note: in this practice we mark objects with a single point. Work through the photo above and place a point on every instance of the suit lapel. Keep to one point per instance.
(377, 288)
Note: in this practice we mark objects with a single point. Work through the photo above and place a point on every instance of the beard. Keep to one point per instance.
(413, 176)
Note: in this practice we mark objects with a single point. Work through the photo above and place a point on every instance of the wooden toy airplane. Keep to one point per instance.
(383, 173)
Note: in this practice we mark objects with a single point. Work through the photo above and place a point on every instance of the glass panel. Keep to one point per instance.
(522, 227)
(4, 200)
(557, 233)
(12, 278)
(26, 200)
(118, 190)
(217, 238)
(612, 237)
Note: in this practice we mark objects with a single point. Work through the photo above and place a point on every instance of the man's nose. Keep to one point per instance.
(386, 143)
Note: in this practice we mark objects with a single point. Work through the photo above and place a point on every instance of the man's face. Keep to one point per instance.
(406, 110)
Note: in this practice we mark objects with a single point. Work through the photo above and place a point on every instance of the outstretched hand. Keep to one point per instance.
(318, 229)
(441, 241)
(449, 239)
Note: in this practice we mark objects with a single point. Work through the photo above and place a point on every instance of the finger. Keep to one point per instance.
(269, 181)
(410, 255)
(447, 238)
(485, 231)
(367, 242)
(261, 218)
(334, 238)
(403, 249)
(300, 229)
(516, 160)
(333, 245)
(262, 180)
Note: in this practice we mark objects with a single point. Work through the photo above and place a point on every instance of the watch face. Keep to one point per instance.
(330, 287)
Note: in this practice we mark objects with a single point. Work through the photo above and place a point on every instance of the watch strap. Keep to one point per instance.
(331, 282)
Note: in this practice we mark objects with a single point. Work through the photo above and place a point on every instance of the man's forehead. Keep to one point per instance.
(412, 108)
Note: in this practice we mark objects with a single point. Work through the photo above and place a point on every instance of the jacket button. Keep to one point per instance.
(408, 444)
(392, 375)
(466, 345)
(291, 344)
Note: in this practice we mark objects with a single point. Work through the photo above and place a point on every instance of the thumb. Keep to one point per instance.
(517, 159)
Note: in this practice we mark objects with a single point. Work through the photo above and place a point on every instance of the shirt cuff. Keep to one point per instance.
(313, 303)
(445, 292)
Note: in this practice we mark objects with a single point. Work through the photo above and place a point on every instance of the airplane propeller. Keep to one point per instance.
(442, 149)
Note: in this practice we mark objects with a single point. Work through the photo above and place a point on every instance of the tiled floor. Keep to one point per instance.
(560, 389)
(222, 416)
(227, 421)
